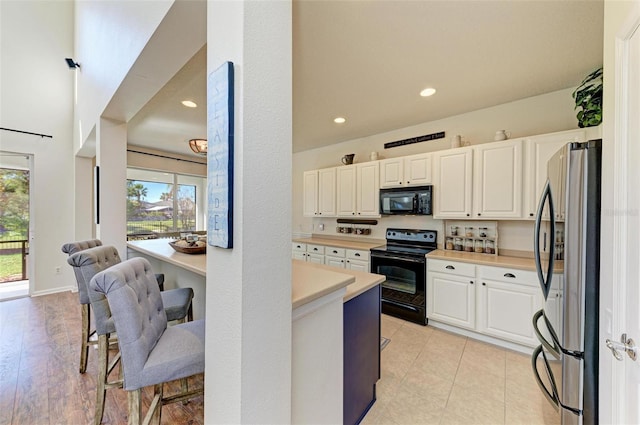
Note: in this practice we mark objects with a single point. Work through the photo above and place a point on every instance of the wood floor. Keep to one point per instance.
(39, 379)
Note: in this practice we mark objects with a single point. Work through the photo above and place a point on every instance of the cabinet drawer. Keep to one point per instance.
(503, 274)
(451, 267)
(315, 249)
(333, 251)
(299, 247)
(358, 254)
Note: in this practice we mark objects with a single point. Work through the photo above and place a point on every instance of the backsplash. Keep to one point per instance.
(515, 236)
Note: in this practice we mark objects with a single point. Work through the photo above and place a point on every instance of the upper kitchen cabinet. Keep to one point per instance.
(539, 149)
(453, 183)
(358, 190)
(414, 170)
(319, 193)
(498, 171)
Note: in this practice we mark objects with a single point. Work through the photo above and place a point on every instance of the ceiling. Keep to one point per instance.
(367, 61)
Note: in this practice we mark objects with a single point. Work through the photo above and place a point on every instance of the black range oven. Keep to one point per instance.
(403, 263)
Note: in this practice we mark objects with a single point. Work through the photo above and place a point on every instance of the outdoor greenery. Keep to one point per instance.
(14, 203)
(143, 216)
(14, 221)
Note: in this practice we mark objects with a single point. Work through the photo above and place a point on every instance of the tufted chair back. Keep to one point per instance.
(70, 249)
(138, 313)
(87, 264)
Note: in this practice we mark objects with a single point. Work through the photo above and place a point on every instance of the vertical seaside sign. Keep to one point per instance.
(220, 156)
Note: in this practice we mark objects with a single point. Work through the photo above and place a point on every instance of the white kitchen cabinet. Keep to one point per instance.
(334, 257)
(319, 193)
(414, 170)
(451, 293)
(453, 183)
(346, 191)
(299, 251)
(505, 310)
(310, 193)
(497, 179)
(357, 259)
(539, 150)
(358, 190)
(315, 258)
(368, 189)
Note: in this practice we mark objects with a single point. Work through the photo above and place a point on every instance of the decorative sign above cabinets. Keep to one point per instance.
(426, 137)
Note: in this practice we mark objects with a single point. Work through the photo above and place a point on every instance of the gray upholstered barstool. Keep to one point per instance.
(86, 264)
(149, 349)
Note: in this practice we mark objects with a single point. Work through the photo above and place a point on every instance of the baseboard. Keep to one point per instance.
(484, 338)
(54, 291)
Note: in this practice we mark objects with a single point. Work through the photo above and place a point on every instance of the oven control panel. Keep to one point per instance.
(412, 236)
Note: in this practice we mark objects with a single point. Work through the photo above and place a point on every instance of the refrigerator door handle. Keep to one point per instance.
(551, 395)
(553, 346)
(545, 283)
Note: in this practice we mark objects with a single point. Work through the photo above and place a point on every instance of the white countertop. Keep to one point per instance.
(491, 260)
(309, 281)
(342, 243)
(160, 249)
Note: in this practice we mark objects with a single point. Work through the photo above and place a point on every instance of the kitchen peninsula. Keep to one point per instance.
(335, 324)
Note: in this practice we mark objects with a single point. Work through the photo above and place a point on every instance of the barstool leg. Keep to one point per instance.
(103, 370)
(86, 331)
(135, 407)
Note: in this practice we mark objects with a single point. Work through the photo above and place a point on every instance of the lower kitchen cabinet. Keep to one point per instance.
(451, 293)
(505, 310)
(352, 259)
(498, 302)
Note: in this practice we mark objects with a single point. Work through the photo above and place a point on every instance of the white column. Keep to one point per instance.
(248, 360)
(111, 158)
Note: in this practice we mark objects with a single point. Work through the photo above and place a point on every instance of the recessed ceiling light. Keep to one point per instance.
(189, 103)
(339, 120)
(427, 92)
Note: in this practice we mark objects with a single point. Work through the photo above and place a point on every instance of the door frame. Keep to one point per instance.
(620, 213)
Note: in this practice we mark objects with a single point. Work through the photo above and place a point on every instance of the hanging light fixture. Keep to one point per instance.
(199, 146)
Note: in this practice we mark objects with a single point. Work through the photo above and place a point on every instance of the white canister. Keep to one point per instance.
(374, 156)
(456, 141)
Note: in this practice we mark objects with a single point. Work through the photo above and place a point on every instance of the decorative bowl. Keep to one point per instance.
(188, 249)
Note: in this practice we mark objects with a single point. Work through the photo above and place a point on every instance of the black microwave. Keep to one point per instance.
(406, 201)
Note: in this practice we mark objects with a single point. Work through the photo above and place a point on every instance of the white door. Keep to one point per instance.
(623, 219)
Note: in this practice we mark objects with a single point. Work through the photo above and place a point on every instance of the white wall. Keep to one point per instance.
(37, 95)
(248, 364)
(546, 113)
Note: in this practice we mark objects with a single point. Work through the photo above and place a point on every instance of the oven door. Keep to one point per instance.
(403, 291)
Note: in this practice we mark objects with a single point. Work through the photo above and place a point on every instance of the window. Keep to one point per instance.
(161, 204)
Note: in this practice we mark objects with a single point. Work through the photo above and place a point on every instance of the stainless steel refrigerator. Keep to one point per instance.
(567, 238)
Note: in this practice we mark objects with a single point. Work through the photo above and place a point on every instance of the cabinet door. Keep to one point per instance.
(451, 299)
(368, 189)
(498, 180)
(505, 311)
(297, 255)
(539, 149)
(315, 258)
(361, 266)
(334, 261)
(346, 193)
(452, 185)
(417, 170)
(391, 172)
(327, 192)
(310, 193)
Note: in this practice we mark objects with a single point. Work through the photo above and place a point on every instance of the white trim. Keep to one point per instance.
(480, 337)
(53, 291)
(620, 207)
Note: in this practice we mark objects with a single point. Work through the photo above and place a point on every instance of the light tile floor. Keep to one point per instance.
(429, 376)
